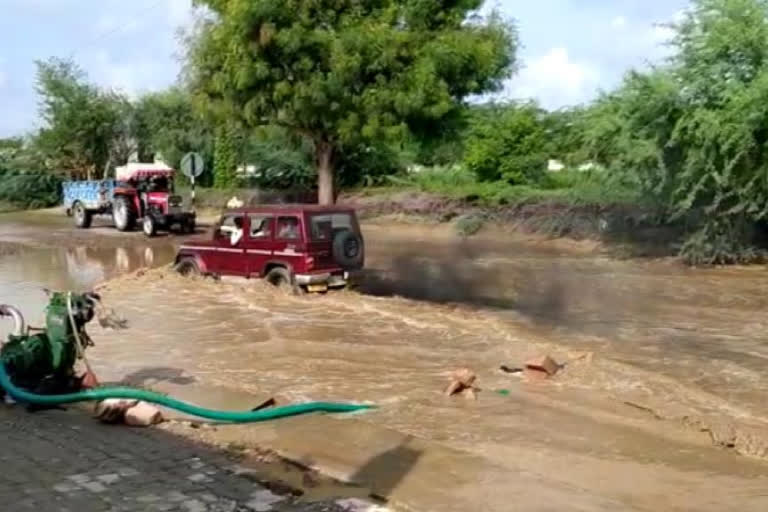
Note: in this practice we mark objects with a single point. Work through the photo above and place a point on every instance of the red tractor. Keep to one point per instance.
(140, 193)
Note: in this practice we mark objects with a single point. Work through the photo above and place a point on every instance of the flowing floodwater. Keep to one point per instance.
(667, 343)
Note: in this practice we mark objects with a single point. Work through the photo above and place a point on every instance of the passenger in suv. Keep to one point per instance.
(303, 247)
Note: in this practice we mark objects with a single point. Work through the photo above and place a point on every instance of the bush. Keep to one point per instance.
(29, 189)
(456, 182)
(508, 143)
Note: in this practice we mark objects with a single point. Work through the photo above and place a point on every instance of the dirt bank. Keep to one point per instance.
(628, 230)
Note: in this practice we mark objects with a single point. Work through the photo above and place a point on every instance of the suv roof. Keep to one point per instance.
(289, 208)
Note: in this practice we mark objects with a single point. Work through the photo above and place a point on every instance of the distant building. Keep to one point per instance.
(555, 166)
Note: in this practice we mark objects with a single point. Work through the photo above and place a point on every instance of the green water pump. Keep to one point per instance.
(43, 360)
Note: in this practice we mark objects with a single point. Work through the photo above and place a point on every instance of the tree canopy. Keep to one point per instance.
(345, 72)
(85, 128)
(509, 143)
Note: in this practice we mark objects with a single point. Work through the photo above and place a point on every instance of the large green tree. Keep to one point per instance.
(84, 129)
(346, 72)
(169, 125)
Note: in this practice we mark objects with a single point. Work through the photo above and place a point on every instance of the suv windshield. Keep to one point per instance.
(323, 226)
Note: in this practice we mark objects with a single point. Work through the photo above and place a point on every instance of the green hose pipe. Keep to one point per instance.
(21, 395)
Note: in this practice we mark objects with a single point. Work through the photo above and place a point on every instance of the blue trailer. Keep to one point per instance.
(96, 196)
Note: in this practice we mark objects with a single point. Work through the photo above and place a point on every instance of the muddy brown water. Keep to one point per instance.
(678, 359)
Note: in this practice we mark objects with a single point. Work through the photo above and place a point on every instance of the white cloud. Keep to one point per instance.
(618, 23)
(555, 79)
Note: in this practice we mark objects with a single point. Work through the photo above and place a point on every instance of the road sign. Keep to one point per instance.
(192, 165)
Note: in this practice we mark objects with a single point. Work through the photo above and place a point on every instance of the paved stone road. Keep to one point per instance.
(64, 461)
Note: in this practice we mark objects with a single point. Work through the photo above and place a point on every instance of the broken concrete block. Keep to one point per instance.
(143, 415)
(540, 368)
(464, 376)
(112, 410)
(530, 374)
(462, 381)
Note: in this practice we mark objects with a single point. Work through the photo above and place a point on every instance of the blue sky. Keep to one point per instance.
(571, 48)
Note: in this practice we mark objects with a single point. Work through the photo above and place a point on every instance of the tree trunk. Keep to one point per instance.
(324, 156)
(106, 168)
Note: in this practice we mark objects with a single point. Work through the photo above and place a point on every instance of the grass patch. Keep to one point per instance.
(592, 187)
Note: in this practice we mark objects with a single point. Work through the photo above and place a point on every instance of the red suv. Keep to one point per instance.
(305, 247)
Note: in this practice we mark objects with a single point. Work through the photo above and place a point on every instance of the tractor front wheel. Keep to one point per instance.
(149, 226)
(123, 214)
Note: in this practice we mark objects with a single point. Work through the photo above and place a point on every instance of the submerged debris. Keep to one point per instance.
(130, 412)
(542, 367)
(462, 382)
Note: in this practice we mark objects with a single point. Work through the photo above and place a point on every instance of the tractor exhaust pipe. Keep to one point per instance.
(20, 329)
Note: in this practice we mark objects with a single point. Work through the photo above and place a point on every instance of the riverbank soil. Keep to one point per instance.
(658, 406)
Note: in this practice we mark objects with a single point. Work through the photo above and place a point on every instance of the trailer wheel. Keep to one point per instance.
(83, 217)
(123, 214)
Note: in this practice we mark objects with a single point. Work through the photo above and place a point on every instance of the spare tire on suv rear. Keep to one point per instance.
(348, 249)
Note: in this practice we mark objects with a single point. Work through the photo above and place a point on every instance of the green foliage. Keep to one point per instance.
(722, 241)
(456, 182)
(81, 123)
(694, 133)
(29, 189)
(282, 160)
(347, 73)
(368, 164)
(566, 128)
(225, 157)
(508, 143)
(169, 125)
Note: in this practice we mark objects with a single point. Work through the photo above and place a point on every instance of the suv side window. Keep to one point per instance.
(288, 228)
(231, 226)
(324, 226)
(261, 227)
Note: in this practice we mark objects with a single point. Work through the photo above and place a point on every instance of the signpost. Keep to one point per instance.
(192, 166)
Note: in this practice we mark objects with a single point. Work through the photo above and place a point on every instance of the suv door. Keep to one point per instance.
(258, 243)
(288, 243)
(230, 249)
